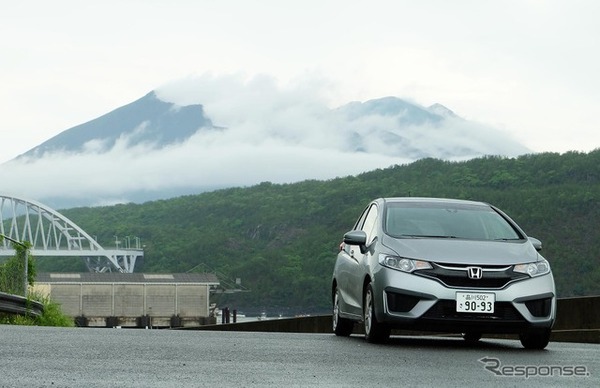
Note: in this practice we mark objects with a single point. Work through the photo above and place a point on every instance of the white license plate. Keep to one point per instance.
(474, 302)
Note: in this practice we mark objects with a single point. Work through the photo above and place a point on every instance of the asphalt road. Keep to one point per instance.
(59, 357)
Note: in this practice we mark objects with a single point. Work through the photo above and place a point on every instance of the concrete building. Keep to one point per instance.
(131, 299)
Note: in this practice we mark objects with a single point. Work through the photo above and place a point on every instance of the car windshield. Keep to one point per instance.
(444, 220)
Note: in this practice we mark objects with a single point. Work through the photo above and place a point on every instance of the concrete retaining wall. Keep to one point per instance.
(578, 313)
(578, 320)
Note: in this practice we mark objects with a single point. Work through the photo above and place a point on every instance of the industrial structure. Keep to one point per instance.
(131, 300)
(52, 234)
(111, 294)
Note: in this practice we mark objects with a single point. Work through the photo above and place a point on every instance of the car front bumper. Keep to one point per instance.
(410, 301)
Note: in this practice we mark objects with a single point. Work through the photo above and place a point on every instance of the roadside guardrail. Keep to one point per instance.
(19, 305)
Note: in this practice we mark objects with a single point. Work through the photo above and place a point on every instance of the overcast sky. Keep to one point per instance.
(527, 67)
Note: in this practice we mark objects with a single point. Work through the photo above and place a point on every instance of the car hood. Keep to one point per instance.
(476, 252)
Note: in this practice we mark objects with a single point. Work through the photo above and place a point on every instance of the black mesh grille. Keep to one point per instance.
(456, 276)
(446, 309)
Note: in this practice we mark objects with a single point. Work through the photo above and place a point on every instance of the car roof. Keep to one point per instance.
(432, 200)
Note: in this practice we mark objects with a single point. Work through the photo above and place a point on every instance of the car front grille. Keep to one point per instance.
(456, 276)
(446, 309)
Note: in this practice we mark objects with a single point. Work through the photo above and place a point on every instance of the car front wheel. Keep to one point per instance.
(375, 332)
(535, 339)
(341, 326)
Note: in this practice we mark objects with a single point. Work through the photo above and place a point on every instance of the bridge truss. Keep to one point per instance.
(53, 235)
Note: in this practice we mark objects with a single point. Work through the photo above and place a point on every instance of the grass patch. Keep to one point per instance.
(52, 315)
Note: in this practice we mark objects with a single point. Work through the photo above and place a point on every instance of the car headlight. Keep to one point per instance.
(402, 263)
(538, 268)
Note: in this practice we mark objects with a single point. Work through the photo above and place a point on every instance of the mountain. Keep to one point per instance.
(441, 110)
(147, 120)
(161, 147)
(159, 123)
(406, 112)
(397, 127)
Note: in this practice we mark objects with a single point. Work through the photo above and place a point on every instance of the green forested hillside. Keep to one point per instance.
(281, 240)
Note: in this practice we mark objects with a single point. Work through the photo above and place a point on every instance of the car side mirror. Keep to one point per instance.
(537, 244)
(357, 237)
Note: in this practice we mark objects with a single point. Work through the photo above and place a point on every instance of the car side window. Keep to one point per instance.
(361, 220)
(370, 222)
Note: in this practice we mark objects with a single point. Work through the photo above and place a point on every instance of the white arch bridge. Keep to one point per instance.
(52, 234)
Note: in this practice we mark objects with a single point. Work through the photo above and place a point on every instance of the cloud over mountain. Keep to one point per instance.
(209, 132)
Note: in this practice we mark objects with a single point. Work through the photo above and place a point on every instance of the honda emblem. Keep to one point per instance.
(475, 272)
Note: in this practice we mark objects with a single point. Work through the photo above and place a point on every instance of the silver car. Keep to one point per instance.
(442, 265)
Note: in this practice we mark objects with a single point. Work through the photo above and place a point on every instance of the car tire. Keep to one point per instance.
(471, 337)
(536, 340)
(375, 332)
(341, 326)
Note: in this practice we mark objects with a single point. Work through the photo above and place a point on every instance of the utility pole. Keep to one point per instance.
(25, 282)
